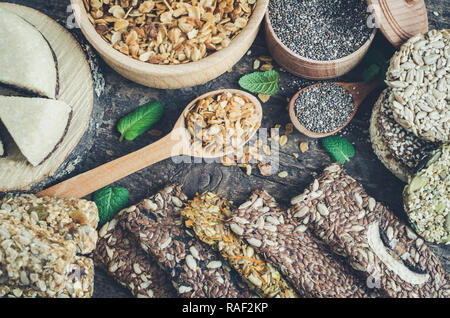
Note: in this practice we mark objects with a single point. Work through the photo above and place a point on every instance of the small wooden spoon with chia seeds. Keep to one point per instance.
(358, 90)
(176, 143)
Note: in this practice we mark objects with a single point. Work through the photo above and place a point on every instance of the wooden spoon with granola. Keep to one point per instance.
(211, 126)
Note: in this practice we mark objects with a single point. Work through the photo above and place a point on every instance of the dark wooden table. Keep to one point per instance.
(118, 96)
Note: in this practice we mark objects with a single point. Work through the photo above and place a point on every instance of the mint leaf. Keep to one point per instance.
(371, 72)
(261, 82)
(139, 121)
(110, 200)
(339, 148)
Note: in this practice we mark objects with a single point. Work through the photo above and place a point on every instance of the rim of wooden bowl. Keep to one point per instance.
(319, 62)
(104, 48)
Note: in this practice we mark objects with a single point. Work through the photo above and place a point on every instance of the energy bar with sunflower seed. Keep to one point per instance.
(195, 270)
(392, 258)
(208, 215)
(79, 283)
(31, 255)
(306, 262)
(73, 219)
(118, 253)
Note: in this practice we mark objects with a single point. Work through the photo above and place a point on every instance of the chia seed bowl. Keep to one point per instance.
(307, 67)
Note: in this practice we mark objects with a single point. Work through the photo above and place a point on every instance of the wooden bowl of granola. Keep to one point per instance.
(141, 38)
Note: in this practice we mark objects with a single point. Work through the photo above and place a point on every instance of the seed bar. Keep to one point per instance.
(119, 253)
(79, 283)
(195, 270)
(31, 256)
(388, 253)
(207, 214)
(71, 218)
(306, 263)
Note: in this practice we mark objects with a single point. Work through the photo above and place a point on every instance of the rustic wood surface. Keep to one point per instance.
(120, 96)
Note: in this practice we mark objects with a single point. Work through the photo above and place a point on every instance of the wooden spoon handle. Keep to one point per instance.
(90, 181)
(359, 90)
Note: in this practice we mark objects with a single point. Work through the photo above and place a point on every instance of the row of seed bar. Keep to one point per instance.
(119, 253)
(73, 219)
(311, 268)
(31, 256)
(195, 270)
(78, 277)
(386, 251)
(208, 214)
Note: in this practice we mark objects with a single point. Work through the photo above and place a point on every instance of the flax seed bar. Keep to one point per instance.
(119, 254)
(71, 218)
(385, 251)
(79, 283)
(195, 270)
(207, 214)
(31, 256)
(310, 267)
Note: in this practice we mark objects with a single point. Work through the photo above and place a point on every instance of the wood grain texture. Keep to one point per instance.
(308, 68)
(358, 90)
(173, 76)
(122, 96)
(75, 89)
(400, 20)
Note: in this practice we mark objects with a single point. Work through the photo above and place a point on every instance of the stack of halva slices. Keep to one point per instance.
(410, 130)
(34, 119)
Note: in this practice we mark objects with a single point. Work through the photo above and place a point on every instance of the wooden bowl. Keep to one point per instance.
(358, 90)
(308, 68)
(172, 76)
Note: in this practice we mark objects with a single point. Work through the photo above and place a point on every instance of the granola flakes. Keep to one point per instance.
(220, 123)
(168, 31)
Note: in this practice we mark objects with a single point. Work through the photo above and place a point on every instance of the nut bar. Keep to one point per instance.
(79, 283)
(195, 270)
(32, 256)
(73, 219)
(387, 252)
(119, 254)
(306, 263)
(207, 214)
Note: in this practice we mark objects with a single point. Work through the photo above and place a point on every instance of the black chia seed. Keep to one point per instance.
(324, 108)
(321, 30)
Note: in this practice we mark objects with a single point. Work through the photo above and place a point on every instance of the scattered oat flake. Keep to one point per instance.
(266, 67)
(289, 128)
(283, 140)
(283, 174)
(256, 64)
(265, 169)
(304, 147)
(155, 132)
(264, 98)
(295, 155)
(248, 170)
(267, 150)
(266, 59)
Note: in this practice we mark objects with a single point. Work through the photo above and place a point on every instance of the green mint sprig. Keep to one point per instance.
(109, 201)
(339, 148)
(140, 120)
(261, 82)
